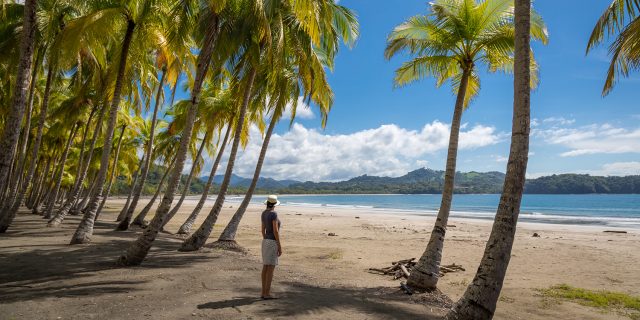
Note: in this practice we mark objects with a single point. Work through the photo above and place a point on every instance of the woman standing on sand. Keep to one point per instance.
(271, 248)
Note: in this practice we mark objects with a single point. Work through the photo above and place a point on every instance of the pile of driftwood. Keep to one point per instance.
(402, 269)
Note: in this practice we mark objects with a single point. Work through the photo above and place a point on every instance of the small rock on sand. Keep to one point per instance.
(536, 235)
(331, 234)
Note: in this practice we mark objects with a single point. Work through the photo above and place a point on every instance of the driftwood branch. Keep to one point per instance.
(402, 269)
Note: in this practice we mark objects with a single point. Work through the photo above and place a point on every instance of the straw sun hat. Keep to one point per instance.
(272, 199)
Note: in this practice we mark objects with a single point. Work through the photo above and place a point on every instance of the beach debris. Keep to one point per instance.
(536, 235)
(614, 231)
(357, 217)
(331, 234)
(451, 226)
(402, 269)
(406, 288)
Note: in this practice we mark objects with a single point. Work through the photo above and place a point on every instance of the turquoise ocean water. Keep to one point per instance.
(592, 209)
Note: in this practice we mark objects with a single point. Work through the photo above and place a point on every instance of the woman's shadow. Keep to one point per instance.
(234, 302)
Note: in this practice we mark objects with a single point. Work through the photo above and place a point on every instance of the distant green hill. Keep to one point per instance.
(414, 182)
(421, 181)
(582, 184)
(427, 181)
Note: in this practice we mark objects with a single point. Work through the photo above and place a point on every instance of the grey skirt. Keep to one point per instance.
(269, 252)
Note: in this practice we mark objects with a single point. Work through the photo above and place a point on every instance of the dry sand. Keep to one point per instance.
(320, 276)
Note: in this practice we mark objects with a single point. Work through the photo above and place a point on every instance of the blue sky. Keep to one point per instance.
(378, 130)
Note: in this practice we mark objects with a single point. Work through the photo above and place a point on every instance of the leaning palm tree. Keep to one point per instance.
(210, 16)
(218, 106)
(196, 166)
(137, 189)
(448, 44)
(60, 175)
(286, 84)
(12, 123)
(480, 298)
(133, 16)
(285, 21)
(622, 17)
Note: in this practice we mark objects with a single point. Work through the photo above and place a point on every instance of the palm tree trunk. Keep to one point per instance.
(426, 272)
(186, 226)
(45, 189)
(198, 238)
(229, 233)
(187, 184)
(24, 141)
(149, 205)
(113, 172)
(124, 224)
(35, 190)
(76, 205)
(138, 250)
(123, 212)
(83, 168)
(12, 122)
(81, 206)
(85, 229)
(42, 118)
(36, 178)
(13, 210)
(480, 299)
(76, 184)
(56, 188)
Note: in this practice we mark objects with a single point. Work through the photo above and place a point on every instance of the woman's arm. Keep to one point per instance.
(263, 228)
(276, 233)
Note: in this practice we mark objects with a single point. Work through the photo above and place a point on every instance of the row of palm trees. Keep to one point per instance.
(93, 68)
(78, 76)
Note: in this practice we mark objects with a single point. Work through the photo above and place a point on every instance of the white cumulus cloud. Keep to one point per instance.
(593, 139)
(303, 111)
(620, 169)
(309, 154)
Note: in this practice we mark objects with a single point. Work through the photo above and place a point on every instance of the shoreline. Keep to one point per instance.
(618, 223)
(394, 215)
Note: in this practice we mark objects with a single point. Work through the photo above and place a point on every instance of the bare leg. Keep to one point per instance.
(264, 280)
(270, 270)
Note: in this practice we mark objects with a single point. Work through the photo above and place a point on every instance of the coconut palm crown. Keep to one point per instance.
(458, 35)
(622, 17)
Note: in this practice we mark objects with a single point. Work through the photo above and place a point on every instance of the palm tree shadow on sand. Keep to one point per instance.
(299, 299)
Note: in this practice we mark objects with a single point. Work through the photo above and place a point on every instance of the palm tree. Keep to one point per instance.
(147, 208)
(622, 17)
(136, 15)
(139, 249)
(195, 167)
(286, 25)
(166, 149)
(11, 132)
(185, 228)
(480, 298)
(137, 190)
(125, 122)
(56, 188)
(288, 88)
(197, 239)
(448, 44)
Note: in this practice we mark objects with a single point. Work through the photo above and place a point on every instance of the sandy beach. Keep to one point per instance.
(320, 276)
